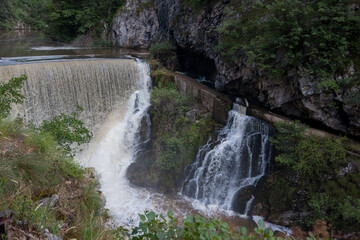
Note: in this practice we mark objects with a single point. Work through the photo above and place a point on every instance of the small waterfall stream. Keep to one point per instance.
(236, 160)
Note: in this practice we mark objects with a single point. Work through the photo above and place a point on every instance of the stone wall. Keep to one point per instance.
(216, 103)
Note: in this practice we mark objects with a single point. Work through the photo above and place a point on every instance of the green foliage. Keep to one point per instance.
(162, 77)
(176, 138)
(328, 84)
(198, 4)
(9, 93)
(71, 169)
(172, 149)
(353, 99)
(157, 49)
(351, 209)
(154, 226)
(312, 157)
(11, 128)
(30, 12)
(30, 163)
(164, 52)
(32, 166)
(69, 18)
(287, 141)
(313, 37)
(67, 129)
(316, 163)
(26, 211)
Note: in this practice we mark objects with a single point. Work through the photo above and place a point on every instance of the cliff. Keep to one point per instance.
(142, 22)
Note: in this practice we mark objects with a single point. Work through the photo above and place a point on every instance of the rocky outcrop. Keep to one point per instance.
(293, 96)
(136, 25)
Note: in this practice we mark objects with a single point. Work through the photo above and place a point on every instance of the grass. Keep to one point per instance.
(32, 167)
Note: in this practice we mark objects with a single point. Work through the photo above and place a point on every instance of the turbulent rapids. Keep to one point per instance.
(115, 96)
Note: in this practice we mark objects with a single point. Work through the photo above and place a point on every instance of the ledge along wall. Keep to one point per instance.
(219, 104)
(215, 102)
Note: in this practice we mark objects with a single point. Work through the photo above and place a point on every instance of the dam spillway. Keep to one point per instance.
(98, 86)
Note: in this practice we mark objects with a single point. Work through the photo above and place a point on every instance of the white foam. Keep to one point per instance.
(272, 226)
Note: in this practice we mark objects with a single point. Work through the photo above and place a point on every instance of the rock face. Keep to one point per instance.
(136, 25)
(293, 96)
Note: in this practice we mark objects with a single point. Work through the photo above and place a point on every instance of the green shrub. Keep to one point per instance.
(313, 37)
(175, 138)
(31, 12)
(164, 52)
(11, 128)
(314, 163)
(162, 78)
(27, 212)
(286, 142)
(353, 99)
(9, 93)
(158, 49)
(43, 142)
(154, 226)
(199, 4)
(33, 166)
(67, 129)
(313, 157)
(68, 19)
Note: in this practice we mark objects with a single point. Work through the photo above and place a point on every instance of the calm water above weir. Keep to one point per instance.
(24, 47)
(114, 91)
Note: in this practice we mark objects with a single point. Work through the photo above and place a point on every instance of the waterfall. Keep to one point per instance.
(112, 153)
(115, 95)
(234, 162)
(99, 86)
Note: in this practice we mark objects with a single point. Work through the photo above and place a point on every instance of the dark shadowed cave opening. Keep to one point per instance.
(197, 66)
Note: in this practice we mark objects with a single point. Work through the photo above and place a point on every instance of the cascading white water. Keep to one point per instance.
(115, 95)
(118, 92)
(99, 86)
(236, 160)
(113, 152)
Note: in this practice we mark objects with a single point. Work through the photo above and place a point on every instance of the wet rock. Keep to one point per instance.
(90, 173)
(48, 202)
(191, 114)
(260, 206)
(51, 236)
(241, 199)
(288, 218)
(350, 168)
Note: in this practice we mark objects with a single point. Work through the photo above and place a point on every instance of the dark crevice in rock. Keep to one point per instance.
(196, 65)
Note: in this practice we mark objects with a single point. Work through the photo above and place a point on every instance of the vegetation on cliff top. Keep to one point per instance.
(69, 18)
(315, 37)
(63, 20)
(285, 37)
